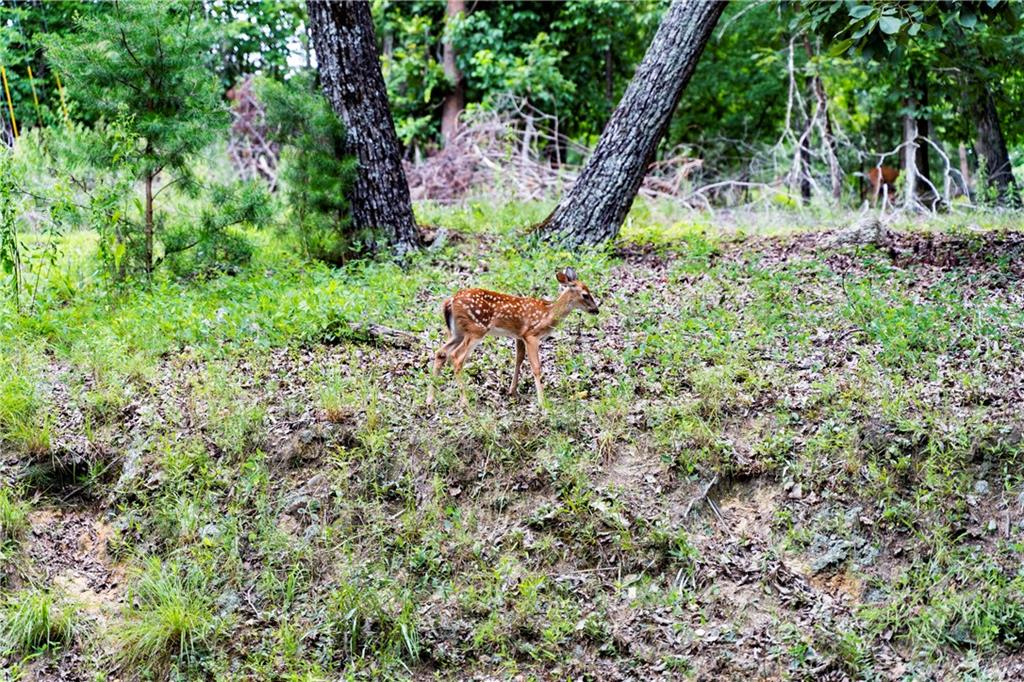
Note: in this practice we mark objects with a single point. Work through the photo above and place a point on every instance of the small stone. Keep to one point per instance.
(210, 532)
(797, 493)
(981, 487)
(992, 527)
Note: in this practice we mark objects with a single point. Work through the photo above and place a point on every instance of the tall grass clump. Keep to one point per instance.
(23, 422)
(13, 526)
(171, 617)
(34, 620)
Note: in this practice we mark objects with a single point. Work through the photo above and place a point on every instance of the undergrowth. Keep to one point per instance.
(287, 507)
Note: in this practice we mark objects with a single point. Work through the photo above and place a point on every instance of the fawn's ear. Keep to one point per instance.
(570, 274)
(562, 277)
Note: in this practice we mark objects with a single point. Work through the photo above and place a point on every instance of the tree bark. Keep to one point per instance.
(349, 69)
(594, 208)
(454, 101)
(991, 148)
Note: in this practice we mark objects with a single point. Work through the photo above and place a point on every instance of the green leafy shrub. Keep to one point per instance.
(141, 70)
(314, 173)
(214, 243)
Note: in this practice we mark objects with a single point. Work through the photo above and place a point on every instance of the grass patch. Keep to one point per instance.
(171, 618)
(34, 621)
(23, 420)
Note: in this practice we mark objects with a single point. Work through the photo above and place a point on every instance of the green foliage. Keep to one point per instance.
(368, 620)
(314, 171)
(571, 59)
(34, 620)
(21, 24)
(23, 420)
(215, 241)
(10, 249)
(739, 89)
(144, 64)
(884, 25)
(170, 616)
(142, 68)
(255, 36)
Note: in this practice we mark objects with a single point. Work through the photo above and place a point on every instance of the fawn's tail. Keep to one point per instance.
(447, 309)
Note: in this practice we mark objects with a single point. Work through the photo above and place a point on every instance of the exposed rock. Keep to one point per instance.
(868, 230)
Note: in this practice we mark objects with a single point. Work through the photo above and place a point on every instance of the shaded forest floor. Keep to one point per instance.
(769, 457)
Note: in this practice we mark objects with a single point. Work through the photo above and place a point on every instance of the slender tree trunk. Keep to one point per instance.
(910, 157)
(349, 69)
(454, 101)
(828, 138)
(149, 224)
(594, 208)
(965, 171)
(609, 77)
(919, 84)
(802, 156)
(991, 148)
(805, 168)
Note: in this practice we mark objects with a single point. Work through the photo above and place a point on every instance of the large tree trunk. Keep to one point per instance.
(454, 101)
(349, 68)
(991, 148)
(594, 208)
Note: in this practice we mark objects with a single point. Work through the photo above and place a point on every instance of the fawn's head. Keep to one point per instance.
(579, 295)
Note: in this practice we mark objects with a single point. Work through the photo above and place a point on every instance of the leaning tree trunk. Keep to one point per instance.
(454, 101)
(991, 148)
(596, 205)
(346, 51)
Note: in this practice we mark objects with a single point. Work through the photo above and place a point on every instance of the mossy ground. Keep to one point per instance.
(765, 458)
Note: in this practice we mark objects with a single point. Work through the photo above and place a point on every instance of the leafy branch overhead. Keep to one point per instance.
(890, 26)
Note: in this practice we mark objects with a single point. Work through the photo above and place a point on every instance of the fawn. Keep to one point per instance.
(472, 314)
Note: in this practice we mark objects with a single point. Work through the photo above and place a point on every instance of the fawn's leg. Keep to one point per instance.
(440, 357)
(459, 359)
(533, 352)
(520, 356)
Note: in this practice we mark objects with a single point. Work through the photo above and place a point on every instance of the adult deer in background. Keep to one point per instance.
(882, 178)
(472, 314)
